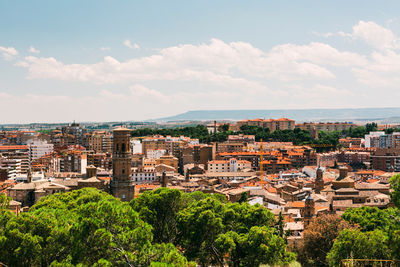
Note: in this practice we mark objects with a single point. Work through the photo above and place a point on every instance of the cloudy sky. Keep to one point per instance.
(134, 60)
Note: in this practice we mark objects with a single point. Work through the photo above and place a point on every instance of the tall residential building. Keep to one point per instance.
(372, 139)
(122, 186)
(386, 159)
(107, 143)
(136, 146)
(39, 148)
(382, 140)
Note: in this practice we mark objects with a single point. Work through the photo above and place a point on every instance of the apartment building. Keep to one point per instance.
(271, 124)
(39, 148)
(144, 175)
(241, 138)
(326, 126)
(168, 143)
(382, 140)
(231, 165)
(386, 159)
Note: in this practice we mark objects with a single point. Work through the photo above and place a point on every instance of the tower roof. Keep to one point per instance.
(120, 129)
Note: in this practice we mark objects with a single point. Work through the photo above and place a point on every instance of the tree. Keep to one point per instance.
(371, 127)
(354, 244)
(261, 245)
(370, 218)
(87, 227)
(159, 208)
(318, 239)
(199, 225)
(212, 232)
(243, 197)
(395, 194)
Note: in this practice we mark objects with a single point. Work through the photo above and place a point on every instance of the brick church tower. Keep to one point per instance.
(122, 186)
(319, 181)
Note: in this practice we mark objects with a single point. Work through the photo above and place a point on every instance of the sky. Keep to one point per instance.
(98, 60)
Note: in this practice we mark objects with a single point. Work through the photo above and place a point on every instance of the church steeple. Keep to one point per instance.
(122, 185)
(319, 180)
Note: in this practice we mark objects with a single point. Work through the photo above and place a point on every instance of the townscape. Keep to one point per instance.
(199, 133)
(295, 182)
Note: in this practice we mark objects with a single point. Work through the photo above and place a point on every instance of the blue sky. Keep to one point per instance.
(135, 60)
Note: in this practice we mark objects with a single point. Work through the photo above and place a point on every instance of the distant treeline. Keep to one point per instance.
(296, 136)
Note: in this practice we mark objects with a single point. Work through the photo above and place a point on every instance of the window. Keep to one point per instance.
(123, 147)
(123, 196)
(123, 171)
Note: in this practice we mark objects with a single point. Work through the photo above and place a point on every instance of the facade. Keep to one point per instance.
(136, 146)
(168, 160)
(122, 186)
(229, 147)
(386, 159)
(326, 126)
(240, 138)
(144, 175)
(231, 165)
(350, 142)
(155, 154)
(168, 143)
(351, 157)
(271, 124)
(38, 149)
(372, 139)
(15, 159)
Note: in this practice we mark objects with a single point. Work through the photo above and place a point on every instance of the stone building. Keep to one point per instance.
(122, 186)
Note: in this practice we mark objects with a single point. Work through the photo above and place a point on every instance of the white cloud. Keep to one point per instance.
(128, 43)
(375, 35)
(231, 75)
(105, 48)
(217, 62)
(8, 53)
(33, 50)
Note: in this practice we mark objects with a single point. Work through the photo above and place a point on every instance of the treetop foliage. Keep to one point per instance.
(164, 227)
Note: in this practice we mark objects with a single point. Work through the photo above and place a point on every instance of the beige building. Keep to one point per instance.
(271, 124)
(231, 165)
(168, 160)
(326, 126)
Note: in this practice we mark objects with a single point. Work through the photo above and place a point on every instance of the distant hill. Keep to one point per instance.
(300, 115)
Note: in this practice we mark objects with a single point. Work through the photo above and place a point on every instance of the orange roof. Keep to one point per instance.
(272, 190)
(296, 204)
(13, 147)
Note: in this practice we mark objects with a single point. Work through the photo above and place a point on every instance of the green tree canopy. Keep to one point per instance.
(354, 244)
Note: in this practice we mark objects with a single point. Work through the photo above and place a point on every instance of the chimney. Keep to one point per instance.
(164, 180)
(187, 178)
(342, 172)
(29, 176)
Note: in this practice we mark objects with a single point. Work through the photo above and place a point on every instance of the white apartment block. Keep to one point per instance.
(136, 146)
(39, 148)
(156, 153)
(231, 165)
(144, 175)
(382, 140)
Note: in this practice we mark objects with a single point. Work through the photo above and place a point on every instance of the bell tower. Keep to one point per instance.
(319, 181)
(309, 210)
(122, 186)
